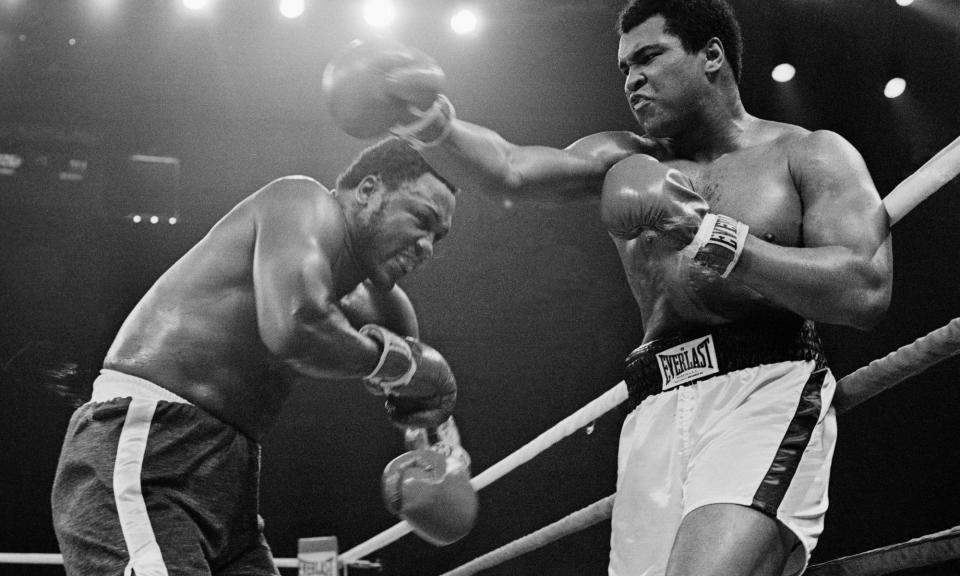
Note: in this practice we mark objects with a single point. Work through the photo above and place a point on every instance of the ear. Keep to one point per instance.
(367, 187)
(715, 56)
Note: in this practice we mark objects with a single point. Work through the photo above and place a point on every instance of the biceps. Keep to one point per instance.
(842, 206)
(291, 291)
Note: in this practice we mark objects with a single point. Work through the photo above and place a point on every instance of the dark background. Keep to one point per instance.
(527, 302)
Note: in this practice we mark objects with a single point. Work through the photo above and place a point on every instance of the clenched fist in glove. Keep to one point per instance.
(418, 384)
(641, 193)
(432, 492)
(378, 86)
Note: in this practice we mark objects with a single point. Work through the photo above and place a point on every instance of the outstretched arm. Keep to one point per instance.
(472, 156)
(380, 86)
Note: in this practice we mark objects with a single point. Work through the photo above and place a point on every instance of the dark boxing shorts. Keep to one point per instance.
(149, 484)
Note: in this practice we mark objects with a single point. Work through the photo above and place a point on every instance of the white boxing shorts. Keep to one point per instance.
(761, 437)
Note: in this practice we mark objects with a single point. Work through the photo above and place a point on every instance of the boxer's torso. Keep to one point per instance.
(196, 333)
(752, 184)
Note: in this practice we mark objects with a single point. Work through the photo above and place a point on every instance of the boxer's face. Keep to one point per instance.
(404, 225)
(662, 79)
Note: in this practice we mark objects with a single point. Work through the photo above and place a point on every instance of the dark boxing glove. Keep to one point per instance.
(418, 384)
(641, 193)
(378, 86)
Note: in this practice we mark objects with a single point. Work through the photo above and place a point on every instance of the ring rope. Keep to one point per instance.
(897, 366)
(579, 520)
(917, 553)
(853, 389)
(57, 559)
(579, 419)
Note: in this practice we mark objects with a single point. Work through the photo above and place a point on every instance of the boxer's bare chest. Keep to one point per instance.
(752, 185)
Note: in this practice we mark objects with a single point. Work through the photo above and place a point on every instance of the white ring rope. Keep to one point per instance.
(917, 553)
(37, 558)
(897, 366)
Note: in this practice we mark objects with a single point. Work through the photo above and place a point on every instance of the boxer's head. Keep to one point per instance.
(398, 207)
(681, 58)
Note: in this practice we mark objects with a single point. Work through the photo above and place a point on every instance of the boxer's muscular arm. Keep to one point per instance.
(472, 156)
(842, 275)
(391, 309)
(298, 315)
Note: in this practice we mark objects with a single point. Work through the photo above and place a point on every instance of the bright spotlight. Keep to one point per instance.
(783, 72)
(292, 8)
(379, 13)
(195, 4)
(904, 2)
(154, 219)
(172, 220)
(136, 219)
(464, 22)
(894, 87)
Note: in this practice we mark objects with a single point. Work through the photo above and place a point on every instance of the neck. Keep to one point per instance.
(347, 272)
(717, 130)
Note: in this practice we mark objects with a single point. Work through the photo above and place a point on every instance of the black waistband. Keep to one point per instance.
(687, 358)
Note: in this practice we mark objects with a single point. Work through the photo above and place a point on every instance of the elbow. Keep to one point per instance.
(289, 334)
(868, 301)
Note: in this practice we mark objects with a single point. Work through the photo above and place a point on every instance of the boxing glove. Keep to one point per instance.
(641, 193)
(377, 86)
(418, 384)
(432, 492)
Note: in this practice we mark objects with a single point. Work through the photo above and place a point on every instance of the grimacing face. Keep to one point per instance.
(663, 80)
(403, 227)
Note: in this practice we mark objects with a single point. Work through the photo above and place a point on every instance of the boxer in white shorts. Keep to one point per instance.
(720, 219)
(761, 437)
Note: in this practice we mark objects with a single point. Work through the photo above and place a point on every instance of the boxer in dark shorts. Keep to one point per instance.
(159, 471)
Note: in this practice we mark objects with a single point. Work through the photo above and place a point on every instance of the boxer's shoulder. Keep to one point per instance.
(603, 145)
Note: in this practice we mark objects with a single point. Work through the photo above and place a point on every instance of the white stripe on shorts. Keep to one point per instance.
(145, 557)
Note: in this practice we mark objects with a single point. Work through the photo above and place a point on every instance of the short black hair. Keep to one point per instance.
(393, 161)
(693, 21)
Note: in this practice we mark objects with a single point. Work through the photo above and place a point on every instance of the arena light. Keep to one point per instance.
(783, 72)
(154, 219)
(194, 4)
(292, 8)
(895, 87)
(464, 22)
(172, 220)
(379, 13)
(137, 219)
(904, 2)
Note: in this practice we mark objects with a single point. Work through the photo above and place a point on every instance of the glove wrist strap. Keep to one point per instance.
(718, 243)
(444, 439)
(431, 127)
(396, 365)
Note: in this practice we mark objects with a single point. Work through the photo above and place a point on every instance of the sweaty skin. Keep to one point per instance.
(818, 247)
(752, 185)
(257, 300)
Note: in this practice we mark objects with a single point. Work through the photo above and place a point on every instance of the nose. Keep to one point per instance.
(634, 81)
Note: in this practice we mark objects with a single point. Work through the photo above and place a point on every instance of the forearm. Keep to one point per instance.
(831, 284)
(323, 345)
(472, 156)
